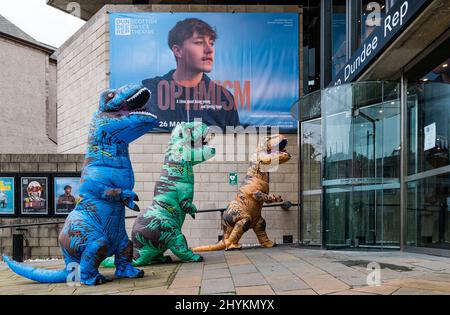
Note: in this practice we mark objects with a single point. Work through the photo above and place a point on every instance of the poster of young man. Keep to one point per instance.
(34, 194)
(7, 205)
(66, 194)
(197, 66)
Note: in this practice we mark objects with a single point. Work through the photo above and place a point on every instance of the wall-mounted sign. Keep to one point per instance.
(34, 195)
(398, 17)
(66, 194)
(430, 137)
(7, 195)
(233, 179)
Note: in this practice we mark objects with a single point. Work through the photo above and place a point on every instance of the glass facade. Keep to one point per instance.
(428, 118)
(375, 156)
(338, 36)
(311, 48)
(311, 174)
(370, 14)
(361, 128)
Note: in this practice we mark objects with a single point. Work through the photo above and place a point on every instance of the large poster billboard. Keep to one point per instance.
(238, 69)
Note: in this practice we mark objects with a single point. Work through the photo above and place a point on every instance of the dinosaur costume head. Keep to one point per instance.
(272, 152)
(188, 144)
(122, 114)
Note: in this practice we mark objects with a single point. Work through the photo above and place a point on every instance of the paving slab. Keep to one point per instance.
(255, 290)
(150, 291)
(185, 281)
(216, 273)
(380, 290)
(415, 291)
(215, 266)
(350, 292)
(274, 270)
(421, 284)
(286, 283)
(248, 279)
(183, 291)
(324, 284)
(212, 286)
(297, 292)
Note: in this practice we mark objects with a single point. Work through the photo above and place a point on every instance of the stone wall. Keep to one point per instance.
(39, 241)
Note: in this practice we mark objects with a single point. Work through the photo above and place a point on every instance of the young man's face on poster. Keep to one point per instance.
(196, 54)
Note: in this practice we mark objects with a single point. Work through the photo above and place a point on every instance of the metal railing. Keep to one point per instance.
(18, 237)
(285, 205)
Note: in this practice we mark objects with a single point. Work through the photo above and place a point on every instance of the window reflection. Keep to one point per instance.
(338, 36)
(371, 14)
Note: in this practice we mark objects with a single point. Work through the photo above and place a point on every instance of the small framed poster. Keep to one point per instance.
(66, 193)
(7, 195)
(34, 195)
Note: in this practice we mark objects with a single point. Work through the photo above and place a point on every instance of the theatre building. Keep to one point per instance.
(375, 167)
(364, 86)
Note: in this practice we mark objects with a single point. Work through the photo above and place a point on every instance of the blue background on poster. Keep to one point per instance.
(260, 47)
(7, 185)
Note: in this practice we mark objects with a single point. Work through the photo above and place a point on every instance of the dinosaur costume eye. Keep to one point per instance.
(111, 95)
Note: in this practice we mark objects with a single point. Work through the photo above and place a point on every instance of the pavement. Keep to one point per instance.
(283, 270)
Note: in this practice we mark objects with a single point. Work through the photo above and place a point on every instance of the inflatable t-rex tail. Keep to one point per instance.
(219, 246)
(37, 274)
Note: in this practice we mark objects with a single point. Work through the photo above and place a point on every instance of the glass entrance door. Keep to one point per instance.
(311, 142)
(362, 162)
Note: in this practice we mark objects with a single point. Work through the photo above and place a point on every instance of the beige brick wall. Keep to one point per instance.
(83, 72)
(83, 63)
(212, 189)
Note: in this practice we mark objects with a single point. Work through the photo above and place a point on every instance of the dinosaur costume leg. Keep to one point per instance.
(91, 258)
(240, 227)
(162, 259)
(260, 231)
(122, 260)
(179, 247)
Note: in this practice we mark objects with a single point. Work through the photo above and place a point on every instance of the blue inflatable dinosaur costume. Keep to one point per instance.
(95, 229)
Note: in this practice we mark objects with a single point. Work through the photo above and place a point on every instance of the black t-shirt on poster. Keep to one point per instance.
(173, 103)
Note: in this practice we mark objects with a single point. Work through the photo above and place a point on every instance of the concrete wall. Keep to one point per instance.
(83, 72)
(39, 241)
(23, 91)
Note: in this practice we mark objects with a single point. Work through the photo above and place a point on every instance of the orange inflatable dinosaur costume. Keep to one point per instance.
(244, 212)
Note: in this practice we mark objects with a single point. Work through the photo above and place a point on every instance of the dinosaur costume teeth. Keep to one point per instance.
(158, 228)
(244, 212)
(95, 229)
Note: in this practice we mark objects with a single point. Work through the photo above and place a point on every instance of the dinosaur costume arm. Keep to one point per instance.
(268, 198)
(111, 194)
(185, 196)
(188, 207)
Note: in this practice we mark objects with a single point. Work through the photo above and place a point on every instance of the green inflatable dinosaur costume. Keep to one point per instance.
(158, 228)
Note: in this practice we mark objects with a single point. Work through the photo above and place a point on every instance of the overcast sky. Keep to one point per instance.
(41, 21)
